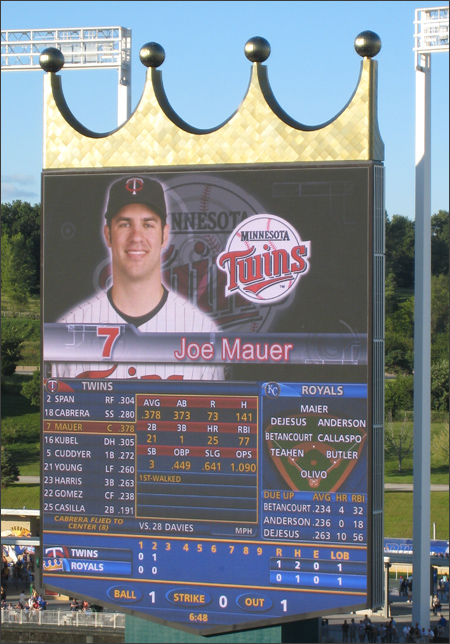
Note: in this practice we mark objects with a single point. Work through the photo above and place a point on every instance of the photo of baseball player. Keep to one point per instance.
(136, 232)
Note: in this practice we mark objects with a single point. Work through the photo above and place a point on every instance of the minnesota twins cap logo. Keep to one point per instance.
(132, 190)
(134, 185)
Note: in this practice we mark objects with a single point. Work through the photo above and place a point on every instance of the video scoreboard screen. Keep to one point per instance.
(205, 465)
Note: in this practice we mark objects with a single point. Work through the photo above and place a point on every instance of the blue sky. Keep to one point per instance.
(313, 70)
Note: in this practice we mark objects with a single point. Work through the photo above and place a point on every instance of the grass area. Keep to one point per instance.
(27, 458)
(20, 425)
(439, 475)
(29, 331)
(31, 354)
(32, 467)
(439, 465)
(12, 310)
(21, 495)
(398, 514)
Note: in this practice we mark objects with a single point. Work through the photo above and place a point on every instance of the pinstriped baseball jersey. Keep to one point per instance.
(173, 315)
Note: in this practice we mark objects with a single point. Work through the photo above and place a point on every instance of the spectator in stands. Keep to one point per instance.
(345, 629)
(361, 631)
(395, 636)
(406, 632)
(74, 605)
(442, 621)
(375, 633)
(409, 590)
(5, 572)
(369, 629)
(436, 605)
(389, 629)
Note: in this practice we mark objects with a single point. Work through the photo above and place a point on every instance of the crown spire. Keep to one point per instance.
(259, 131)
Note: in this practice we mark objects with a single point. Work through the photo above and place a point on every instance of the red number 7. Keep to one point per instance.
(111, 333)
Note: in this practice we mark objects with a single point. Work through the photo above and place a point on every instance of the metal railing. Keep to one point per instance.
(63, 618)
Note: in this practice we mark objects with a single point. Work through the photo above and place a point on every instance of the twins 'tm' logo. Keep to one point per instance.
(134, 185)
(52, 386)
(264, 259)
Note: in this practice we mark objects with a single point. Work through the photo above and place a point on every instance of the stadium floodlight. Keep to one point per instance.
(83, 48)
(431, 35)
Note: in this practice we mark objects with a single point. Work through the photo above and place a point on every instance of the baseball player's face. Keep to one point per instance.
(136, 238)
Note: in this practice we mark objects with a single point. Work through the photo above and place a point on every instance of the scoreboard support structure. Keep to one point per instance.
(214, 465)
(303, 631)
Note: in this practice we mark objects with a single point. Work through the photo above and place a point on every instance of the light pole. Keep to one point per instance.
(83, 48)
(431, 35)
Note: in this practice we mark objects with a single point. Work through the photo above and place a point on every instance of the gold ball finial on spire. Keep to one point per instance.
(152, 54)
(51, 59)
(367, 44)
(257, 49)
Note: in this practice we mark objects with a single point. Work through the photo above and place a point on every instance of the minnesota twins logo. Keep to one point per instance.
(264, 259)
(134, 185)
(52, 386)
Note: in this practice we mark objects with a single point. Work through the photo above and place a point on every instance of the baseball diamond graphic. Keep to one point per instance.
(311, 464)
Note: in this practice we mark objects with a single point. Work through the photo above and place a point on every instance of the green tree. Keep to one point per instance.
(398, 440)
(21, 217)
(17, 269)
(439, 304)
(439, 386)
(398, 396)
(440, 243)
(402, 321)
(10, 471)
(439, 318)
(11, 351)
(390, 294)
(400, 250)
(32, 389)
(399, 353)
(439, 445)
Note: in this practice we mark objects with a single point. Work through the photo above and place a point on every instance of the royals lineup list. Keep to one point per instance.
(151, 482)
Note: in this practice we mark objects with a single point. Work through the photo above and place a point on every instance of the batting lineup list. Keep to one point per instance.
(268, 480)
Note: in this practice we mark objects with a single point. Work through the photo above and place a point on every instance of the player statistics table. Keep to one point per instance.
(206, 504)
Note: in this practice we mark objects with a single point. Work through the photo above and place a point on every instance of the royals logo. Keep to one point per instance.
(264, 259)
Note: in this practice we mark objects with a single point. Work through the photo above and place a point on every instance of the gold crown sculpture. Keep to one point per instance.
(258, 132)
